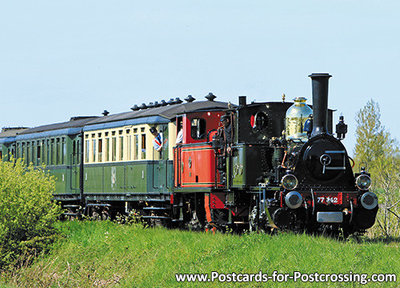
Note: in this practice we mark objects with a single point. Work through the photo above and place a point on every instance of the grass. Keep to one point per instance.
(105, 254)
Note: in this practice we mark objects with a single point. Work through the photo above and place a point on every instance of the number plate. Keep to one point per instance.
(327, 199)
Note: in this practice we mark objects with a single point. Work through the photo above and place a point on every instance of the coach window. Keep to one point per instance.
(33, 150)
(135, 147)
(47, 152)
(93, 158)
(28, 151)
(128, 144)
(23, 151)
(53, 151)
(198, 128)
(33, 154)
(78, 151)
(107, 150)
(58, 151)
(63, 150)
(100, 150)
(121, 145)
(38, 153)
(87, 145)
(73, 151)
(42, 155)
(114, 149)
(121, 148)
(143, 154)
(94, 148)
(13, 149)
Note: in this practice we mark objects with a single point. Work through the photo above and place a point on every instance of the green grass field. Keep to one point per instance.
(106, 254)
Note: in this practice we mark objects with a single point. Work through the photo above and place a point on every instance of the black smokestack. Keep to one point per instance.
(242, 101)
(320, 102)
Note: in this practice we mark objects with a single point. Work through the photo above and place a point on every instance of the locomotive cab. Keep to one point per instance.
(194, 157)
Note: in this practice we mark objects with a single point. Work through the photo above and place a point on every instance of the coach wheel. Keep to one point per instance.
(95, 215)
(253, 221)
(105, 215)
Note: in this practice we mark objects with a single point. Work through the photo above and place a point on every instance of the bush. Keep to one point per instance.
(27, 212)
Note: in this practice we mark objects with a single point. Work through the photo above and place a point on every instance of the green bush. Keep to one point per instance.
(27, 212)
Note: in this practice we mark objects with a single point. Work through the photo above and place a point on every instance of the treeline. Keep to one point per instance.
(379, 153)
(27, 212)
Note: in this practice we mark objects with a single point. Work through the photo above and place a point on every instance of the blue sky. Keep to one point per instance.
(67, 58)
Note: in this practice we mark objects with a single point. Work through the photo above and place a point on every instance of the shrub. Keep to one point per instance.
(27, 212)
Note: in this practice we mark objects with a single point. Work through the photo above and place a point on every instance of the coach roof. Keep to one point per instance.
(168, 112)
(161, 114)
(75, 122)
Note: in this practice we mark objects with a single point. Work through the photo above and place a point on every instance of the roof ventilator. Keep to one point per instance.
(178, 101)
(210, 97)
(135, 107)
(190, 99)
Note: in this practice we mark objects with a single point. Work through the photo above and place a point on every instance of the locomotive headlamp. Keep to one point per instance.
(293, 199)
(289, 182)
(369, 200)
(363, 182)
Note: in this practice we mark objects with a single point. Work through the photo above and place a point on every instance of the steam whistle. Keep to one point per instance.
(341, 128)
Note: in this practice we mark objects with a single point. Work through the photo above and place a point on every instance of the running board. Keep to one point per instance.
(156, 217)
(154, 208)
(72, 214)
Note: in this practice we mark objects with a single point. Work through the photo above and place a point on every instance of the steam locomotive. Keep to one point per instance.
(273, 165)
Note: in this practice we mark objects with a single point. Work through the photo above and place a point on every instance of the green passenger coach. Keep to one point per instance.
(58, 148)
(104, 165)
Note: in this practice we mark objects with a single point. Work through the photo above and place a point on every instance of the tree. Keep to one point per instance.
(379, 154)
(27, 212)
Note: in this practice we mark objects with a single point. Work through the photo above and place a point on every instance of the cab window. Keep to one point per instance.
(198, 128)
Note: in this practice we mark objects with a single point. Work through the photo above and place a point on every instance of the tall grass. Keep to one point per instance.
(105, 254)
(27, 212)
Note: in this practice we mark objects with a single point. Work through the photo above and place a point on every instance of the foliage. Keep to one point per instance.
(105, 254)
(27, 212)
(379, 153)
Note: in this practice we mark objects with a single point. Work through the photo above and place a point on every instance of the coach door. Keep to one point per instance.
(75, 158)
(160, 163)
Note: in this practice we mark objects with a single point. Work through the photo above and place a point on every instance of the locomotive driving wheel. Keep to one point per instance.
(193, 221)
(220, 219)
